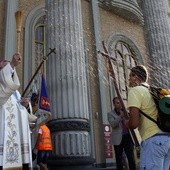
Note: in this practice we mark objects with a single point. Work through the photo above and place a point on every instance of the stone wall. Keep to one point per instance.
(111, 24)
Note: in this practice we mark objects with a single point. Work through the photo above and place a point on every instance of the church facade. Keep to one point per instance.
(68, 35)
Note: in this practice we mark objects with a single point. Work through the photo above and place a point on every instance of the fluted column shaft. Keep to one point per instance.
(67, 68)
(67, 79)
(157, 31)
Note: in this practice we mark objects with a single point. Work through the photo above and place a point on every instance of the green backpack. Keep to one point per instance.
(161, 98)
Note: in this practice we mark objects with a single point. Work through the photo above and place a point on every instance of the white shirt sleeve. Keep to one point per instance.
(40, 131)
(11, 69)
(7, 84)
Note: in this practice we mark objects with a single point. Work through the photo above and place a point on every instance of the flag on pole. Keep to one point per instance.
(44, 103)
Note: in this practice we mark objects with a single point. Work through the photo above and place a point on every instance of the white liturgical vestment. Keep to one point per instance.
(15, 142)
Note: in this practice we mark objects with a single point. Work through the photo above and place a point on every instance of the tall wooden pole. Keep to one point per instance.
(18, 17)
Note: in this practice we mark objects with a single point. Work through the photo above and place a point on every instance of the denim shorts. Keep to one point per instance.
(155, 153)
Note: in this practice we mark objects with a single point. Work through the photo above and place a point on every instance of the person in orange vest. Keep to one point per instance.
(44, 146)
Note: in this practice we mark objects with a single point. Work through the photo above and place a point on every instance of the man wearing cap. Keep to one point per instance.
(15, 143)
(155, 146)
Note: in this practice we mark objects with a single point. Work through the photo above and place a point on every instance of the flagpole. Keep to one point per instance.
(44, 58)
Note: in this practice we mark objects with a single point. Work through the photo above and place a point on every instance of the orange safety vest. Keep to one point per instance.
(45, 140)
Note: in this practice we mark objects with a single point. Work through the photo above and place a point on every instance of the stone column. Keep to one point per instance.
(67, 83)
(157, 31)
(10, 33)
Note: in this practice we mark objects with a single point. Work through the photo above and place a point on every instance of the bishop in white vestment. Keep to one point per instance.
(15, 141)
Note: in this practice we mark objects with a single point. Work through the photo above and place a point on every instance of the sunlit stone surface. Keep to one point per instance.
(157, 33)
(67, 80)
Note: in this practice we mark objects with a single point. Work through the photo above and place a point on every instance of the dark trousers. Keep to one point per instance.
(126, 145)
(43, 156)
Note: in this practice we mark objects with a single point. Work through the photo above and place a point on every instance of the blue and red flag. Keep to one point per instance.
(44, 103)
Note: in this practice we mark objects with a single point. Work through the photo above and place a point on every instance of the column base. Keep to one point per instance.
(73, 163)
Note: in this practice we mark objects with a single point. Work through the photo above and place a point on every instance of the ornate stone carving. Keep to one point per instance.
(127, 9)
(55, 125)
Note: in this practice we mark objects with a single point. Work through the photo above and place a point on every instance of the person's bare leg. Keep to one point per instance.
(43, 166)
(125, 163)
